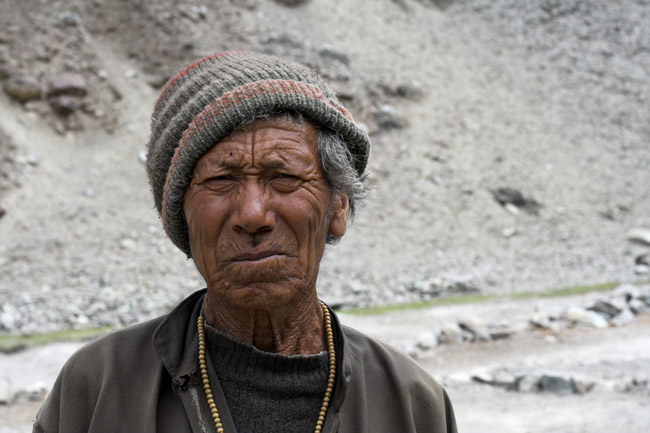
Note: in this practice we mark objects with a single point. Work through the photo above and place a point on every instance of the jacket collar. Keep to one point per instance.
(176, 343)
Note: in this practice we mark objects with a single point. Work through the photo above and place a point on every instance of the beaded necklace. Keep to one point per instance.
(214, 412)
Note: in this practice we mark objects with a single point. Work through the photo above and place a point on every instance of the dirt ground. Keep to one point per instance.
(610, 357)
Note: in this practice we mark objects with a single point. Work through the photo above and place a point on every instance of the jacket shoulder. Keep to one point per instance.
(389, 391)
(109, 372)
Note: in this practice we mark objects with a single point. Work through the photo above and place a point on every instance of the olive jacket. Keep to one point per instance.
(145, 379)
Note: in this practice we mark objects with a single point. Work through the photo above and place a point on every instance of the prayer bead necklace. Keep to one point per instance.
(330, 379)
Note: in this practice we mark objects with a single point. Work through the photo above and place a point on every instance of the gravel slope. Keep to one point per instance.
(544, 97)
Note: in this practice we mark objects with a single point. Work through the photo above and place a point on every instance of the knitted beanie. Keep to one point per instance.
(218, 95)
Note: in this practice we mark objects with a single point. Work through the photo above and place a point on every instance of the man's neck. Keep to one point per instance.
(294, 329)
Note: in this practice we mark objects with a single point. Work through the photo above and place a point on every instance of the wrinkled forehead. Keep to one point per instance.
(279, 139)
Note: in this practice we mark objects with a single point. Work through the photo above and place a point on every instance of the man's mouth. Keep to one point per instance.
(257, 256)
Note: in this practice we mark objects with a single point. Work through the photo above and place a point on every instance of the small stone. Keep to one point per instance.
(643, 259)
(23, 89)
(142, 156)
(627, 291)
(291, 3)
(477, 329)
(63, 105)
(6, 393)
(158, 81)
(637, 306)
(331, 53)
(128, 244)
(344, 89)
(507, 195)
(625, 317)
(450, 333)
(582, 316)
(3, 211)
(639, 235)
(387, 118)
(556, 384)
(608, 307)
(540, 320)
(642, 269)
(509, 232)
(427, 341)
(68, 18)
(528, 383)
(504, 379)
(33, 160)
(550, 339)
(8, 317)
(67, 84)
(583, 386)
(193, 12)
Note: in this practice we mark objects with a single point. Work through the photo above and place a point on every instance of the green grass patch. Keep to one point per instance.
(475, 298)
(437, 302)
(12, 343)
(567, 291)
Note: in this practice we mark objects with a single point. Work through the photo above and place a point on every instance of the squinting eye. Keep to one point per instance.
(217, 178)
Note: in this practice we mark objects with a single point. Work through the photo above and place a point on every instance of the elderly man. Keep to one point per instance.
(254, 167)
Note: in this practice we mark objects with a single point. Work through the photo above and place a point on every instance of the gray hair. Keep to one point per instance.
(337, 164)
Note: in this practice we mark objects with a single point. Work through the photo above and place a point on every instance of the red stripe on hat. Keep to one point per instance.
(188, 69)
(236, 96)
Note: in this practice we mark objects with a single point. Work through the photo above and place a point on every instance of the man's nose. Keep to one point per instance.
(252, 213)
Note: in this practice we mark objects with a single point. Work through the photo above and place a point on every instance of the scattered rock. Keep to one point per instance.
(8, 317)
(643, 259)
(427, 341)
(510, 196)
(63, 105)
(639, 235)
(582, 316)
(627, 292)
(291, 3)
(542, 321)
(3, 211)
(67, 84)
(642, 269)
(637, 306)
(500, 378)
(68, 18)
(193, 12)
(556, 384)
(329, 52)
(477, 329)
(158, 81)
(6, 394)
(583, 386)
(529, 383)
(23, 89)
(450, 333)
(387, 118)
(499, 332)
(625, 317)
(608, 307)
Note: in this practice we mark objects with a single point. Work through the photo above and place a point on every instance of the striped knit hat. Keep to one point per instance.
(218, 95)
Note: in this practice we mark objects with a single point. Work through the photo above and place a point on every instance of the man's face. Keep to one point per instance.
(259, 210)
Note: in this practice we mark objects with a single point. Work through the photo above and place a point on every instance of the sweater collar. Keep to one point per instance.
(176, 343)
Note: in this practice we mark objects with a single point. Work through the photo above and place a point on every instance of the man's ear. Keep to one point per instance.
(339, 221)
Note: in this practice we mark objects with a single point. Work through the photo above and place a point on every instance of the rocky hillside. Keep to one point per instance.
(511, 145)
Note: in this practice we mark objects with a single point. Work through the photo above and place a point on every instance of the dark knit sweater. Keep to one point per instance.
(268, 392)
